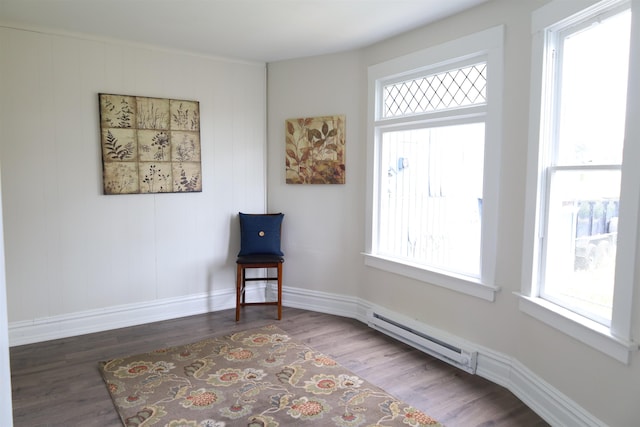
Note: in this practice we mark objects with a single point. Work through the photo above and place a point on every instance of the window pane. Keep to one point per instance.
(593, 93)
(581, 241)
(454, 88)
(431, 196)
(582, 205)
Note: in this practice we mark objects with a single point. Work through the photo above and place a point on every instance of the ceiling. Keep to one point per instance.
(252, 30)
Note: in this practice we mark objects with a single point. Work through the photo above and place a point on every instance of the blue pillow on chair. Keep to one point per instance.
(260, 234)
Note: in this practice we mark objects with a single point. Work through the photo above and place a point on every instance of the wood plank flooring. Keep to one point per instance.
(57, 383)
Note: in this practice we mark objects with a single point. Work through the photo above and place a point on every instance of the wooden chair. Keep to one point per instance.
(259, 249)
(258, 261)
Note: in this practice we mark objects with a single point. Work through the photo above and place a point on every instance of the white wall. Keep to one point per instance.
(6, 405)
(319, 216)
(72, 250)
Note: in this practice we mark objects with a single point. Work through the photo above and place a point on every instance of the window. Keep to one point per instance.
(574, 266)
(434, 127)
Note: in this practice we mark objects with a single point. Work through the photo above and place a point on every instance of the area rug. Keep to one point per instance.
(258, 377)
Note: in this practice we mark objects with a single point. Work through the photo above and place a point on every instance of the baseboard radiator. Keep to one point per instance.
(462, 358)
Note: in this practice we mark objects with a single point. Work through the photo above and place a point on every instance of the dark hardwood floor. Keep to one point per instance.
(57, 383)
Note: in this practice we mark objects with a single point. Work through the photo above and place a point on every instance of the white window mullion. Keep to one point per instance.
(492, 160)
(627, 263)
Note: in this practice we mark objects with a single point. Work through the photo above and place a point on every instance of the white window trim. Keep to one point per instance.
(487, 43)
(615, 341)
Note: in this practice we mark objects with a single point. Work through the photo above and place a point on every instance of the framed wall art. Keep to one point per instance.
(315, 150)
(149, 145)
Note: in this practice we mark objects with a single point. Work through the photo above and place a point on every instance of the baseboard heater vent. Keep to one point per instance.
(463, 359)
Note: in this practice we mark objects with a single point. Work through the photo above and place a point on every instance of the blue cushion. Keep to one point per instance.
(260, 234)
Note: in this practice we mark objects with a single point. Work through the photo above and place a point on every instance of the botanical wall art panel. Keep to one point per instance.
(150, 145)
(315, 150)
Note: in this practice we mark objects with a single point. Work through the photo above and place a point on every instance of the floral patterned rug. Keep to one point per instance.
(259, 377)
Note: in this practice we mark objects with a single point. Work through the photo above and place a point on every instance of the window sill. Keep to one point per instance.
(462, 284)
(584, 330)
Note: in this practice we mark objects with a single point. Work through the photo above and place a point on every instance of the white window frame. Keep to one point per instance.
(616, 340)
(488, 45)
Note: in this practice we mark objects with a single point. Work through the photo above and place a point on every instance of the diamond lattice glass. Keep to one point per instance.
(454, 88)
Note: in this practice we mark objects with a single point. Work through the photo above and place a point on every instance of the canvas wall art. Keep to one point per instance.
(149, 145)
(315, 150)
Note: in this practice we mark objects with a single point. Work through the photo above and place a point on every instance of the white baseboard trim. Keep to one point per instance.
(556, 408)
(90, 321)
(553, 406)
(321, 302)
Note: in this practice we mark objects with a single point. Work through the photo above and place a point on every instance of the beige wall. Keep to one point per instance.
(319, 216)
(324, 223)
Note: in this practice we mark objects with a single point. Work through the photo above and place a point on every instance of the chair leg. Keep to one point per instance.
(241, 287)
(279, 291)
(239, 273)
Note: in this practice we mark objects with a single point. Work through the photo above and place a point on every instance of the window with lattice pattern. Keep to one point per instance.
(435, 163)
(459, 87)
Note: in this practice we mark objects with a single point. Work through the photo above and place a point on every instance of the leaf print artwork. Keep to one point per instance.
(152, 113)
(161, 143)
(156, 178)
(185, 146)
(149, 145)
(185, 115)
(186, 177)
(315, 149)
(119, 144)
(121, 178)
(117, 111)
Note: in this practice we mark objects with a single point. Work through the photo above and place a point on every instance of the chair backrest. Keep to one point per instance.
(260, 234)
